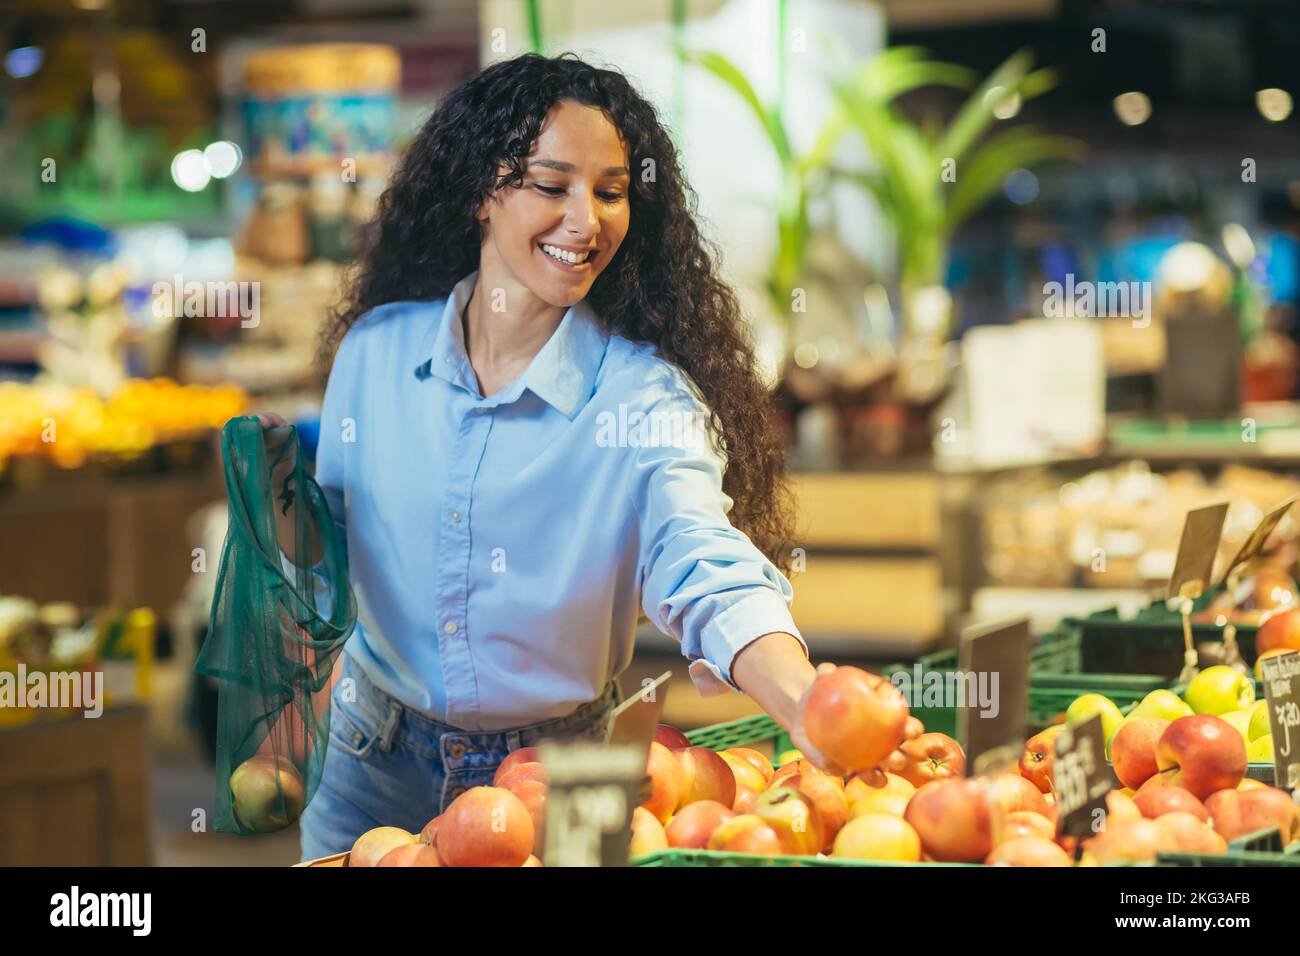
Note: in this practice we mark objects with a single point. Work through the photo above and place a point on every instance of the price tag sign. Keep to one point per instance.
(1080, 777)
(1197, 548)
(991, 692)
(593, 789)
(1282, 691)
(1254, 544)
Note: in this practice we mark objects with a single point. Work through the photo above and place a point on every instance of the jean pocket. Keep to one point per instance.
(352, 731)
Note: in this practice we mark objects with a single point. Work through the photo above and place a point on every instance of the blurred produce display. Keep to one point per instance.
(69, 425)
(1119, 527)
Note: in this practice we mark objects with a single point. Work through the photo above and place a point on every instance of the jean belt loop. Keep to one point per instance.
(388, 733)
(513, 740)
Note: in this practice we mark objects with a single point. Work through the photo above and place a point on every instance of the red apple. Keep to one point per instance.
(705, 776)
(1120, 806)
(515, 757)
(373, 845)
(763, 765)
(1133, 749)
(1010, 792)
(1025, 823)
(854, 718)
(1036, 761)
(692, 825)
(519, 773)
(746, 833)
(1156, 801)
(1190, 834)
(913, 728)
(1282, 629)
(794, 817)
(532, 793)
(1238, 812)
(931, 756)
(429, 834)
(831, 804)
(1028, 851)
(745, 797)
(486, 826)
(648, 834)
(802, 765)
(1128, 841)
(746, 773)
(1202, 754)
(666, 780)
(671, 737)
(411, 854)
(953, 820)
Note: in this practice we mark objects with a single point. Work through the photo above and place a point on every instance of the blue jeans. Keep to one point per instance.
(390, 766)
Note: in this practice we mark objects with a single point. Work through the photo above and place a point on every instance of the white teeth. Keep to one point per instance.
(573, 258)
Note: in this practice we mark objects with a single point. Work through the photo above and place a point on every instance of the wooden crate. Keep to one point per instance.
(74, 791)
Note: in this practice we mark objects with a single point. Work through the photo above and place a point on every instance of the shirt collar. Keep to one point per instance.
(562, 373)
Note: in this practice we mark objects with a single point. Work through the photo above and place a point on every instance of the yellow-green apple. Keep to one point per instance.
(930, 757)
(1009, 792)
(1028, 851)
(867, 782)
(1036, 761)
(1238, 812)
(1240, 721)
(1260, 750)
(268, 793)
(1190, 833)
(1218, 690)
(373, 845)
(1161, 703)
(514, 758)
(746, 833)
(828, 798)
(1158, 800)
(1281, 630)
(411, 854)
(1024, 823)
(746, 773)
(1090, 704)
(666, 779)
(854, 718)
(953, 820)
(648, 834)
(878, 836)
(786, 756)
(693, 824)
(1128, 841)
(745, 797)
(671, 737)
(705, 776)
(1258, 726)
(880, 801)
(1133, 751)
(486, 826)
(1201, 754)
(761, 762)
(794, 817)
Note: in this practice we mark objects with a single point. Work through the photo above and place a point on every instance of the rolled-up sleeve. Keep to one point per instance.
(703, 581)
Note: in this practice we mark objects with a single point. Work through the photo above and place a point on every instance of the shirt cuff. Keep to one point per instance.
(726, 635)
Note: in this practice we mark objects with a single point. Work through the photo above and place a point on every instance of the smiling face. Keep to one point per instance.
(557, 232)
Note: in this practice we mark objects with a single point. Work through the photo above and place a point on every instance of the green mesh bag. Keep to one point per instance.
(276, 630)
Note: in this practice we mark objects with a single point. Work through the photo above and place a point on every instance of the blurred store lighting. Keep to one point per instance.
(23, 61)
(806, 355)
(1240, 247)
(1133, 108)
(190, 170)
(1187, 267)
(1273, 104)
(90, 4)
(1021, 186)
(222, 158)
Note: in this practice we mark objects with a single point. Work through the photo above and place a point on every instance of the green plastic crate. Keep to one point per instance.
(744, 732)
(717, 858)
(1262, 848)
(1149, 643)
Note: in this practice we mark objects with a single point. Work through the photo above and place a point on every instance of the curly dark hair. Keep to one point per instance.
(660, 288)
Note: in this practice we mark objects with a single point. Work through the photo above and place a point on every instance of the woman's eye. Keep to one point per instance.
(551, 190)
(611, 197)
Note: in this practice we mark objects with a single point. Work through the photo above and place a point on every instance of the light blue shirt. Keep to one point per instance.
(502, 549)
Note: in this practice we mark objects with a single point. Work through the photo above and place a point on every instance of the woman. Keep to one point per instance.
(543, 417)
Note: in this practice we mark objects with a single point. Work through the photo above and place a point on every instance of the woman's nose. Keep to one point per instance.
(581, 218)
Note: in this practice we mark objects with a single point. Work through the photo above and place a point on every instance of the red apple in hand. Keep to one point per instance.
(952, 818)
(854, 718)
(1133, 750)
(1202, 754)
(931, 756)
(1036, 761)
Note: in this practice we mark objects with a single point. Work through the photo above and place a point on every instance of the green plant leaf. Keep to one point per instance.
(981, 174)
(731, 75)
(975, 115)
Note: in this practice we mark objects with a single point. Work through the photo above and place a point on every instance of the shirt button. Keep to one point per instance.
(450, 627)
(455, 516)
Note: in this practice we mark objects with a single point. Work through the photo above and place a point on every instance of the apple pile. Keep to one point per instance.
(1270, 589)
